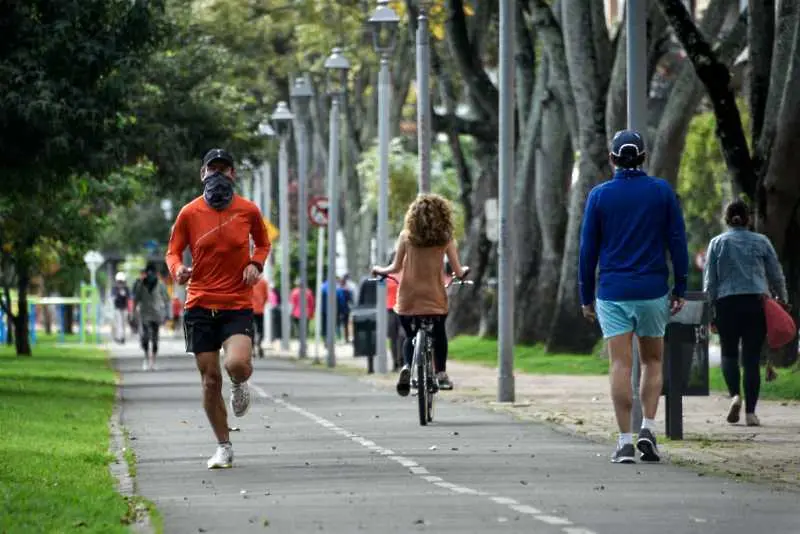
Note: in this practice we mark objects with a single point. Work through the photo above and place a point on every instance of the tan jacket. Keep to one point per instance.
(421, 290)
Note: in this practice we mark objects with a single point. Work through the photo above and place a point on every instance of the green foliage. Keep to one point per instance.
(403, 171)
(704, 185)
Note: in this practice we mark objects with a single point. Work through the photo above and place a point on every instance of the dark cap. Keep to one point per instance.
(217, 154)
(628, 143)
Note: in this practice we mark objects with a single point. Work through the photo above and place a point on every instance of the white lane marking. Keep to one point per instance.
(417, 469)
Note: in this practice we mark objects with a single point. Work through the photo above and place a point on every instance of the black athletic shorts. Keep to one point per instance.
(206, 330)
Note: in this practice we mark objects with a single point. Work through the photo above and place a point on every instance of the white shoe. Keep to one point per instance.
(222, 459)
(145, 366)
(240, 398)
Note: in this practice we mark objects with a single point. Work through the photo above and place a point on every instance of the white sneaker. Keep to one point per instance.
(222, 459)
(145, 366)
(240, 398)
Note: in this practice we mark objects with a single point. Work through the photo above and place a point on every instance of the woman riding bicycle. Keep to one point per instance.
(427, 237)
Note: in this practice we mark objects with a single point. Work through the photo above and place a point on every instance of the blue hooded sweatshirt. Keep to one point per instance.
(628, 225)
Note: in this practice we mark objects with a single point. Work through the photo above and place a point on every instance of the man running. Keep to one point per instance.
(217, 227)
(629, 224)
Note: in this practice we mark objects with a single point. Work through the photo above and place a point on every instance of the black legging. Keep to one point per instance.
(741, 317)
(149, 336)
(439, 335)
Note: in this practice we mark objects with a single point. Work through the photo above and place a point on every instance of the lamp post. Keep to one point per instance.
(265, 130)
(336, 67)
(423, 103)
(93, 260)
(301, 97)
(282, 117)
(384, 23)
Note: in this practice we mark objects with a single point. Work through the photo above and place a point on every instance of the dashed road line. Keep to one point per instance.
(422, 472)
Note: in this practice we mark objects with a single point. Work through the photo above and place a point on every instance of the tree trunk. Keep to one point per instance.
(760, 36)
(21, 336)
(589, 68)
(554, 163)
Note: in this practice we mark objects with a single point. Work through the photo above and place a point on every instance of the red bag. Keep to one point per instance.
(780, 325)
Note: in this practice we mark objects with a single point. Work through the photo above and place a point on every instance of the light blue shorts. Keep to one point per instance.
(645, 318)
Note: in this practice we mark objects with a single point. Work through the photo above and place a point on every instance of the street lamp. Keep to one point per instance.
(423, 102)
(301, 94)
(93, 260)
(336, 67)
(282, 118)
(384, 23)
(265, 175)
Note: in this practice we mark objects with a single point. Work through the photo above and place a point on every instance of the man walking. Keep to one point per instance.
(217, 228)
(628, 225)
(151, 303)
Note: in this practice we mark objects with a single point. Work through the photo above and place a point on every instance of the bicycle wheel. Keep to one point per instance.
(422, 383)
(431, 389)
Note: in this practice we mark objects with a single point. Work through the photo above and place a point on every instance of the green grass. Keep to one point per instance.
(528, 359)
(534, 360)
(54, 412)
(786, 387)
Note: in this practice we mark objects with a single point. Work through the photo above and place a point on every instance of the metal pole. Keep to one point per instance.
(318, 298)
(636, 26)
(505, 305)
(333, 207)
(283, 206)
(384, 94)
(302, 228)
(266, 176)
(423, 103)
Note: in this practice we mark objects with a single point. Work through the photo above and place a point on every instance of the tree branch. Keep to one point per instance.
(716, 78)
(482, 90)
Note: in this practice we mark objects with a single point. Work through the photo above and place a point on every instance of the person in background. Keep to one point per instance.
(260, 296)
(177, 315)
(629, 224)
(120, 295)
(344, 301)
(294, 300)
(152, 305)
(741, 270)
(133, 319)
(324, 308)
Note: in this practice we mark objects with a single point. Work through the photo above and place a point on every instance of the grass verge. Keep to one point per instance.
(54, 422)
(534, 360)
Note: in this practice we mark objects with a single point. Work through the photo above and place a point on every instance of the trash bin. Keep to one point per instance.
(364, 326)
(685, 364)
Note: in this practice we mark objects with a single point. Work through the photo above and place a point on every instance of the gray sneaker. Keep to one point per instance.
(240, 398)
(624, 454)
(404, 382)
(647, 446)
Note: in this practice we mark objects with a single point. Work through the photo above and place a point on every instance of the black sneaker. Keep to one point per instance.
(647, 446)
(404, 382)
(624, 454)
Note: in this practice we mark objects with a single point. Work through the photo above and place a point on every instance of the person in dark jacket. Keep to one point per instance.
(629, 224)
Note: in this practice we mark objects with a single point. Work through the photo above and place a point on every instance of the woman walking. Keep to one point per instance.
(741, 270)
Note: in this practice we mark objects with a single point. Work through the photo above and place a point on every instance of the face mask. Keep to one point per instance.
(218, 190)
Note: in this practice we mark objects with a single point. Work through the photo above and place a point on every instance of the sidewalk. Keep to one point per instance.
(582, 405)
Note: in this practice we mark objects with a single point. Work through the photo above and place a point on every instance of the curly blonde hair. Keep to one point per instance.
(429, 221)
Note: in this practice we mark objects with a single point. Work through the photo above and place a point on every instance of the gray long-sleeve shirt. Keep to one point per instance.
(153, 306)
(741, 262)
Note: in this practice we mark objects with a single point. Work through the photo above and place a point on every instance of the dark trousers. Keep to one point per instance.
(149, 336)
(439, 334)
(258, 324)
(741, 318)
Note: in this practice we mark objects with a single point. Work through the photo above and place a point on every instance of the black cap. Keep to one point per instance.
(217, 154)
(628, 143)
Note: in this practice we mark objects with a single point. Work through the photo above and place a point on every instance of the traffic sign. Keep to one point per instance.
(318, 211)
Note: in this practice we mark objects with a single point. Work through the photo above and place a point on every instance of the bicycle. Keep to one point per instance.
(422, 362)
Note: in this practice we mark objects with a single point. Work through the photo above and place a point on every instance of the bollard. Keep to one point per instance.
(32, 322)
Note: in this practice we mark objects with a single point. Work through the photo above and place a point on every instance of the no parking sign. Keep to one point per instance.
(318, 211)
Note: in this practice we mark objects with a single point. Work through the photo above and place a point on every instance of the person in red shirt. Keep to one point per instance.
(260, 292)
(294, 300)
(217, 227)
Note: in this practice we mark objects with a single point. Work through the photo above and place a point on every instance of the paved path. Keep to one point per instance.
(324, 452)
